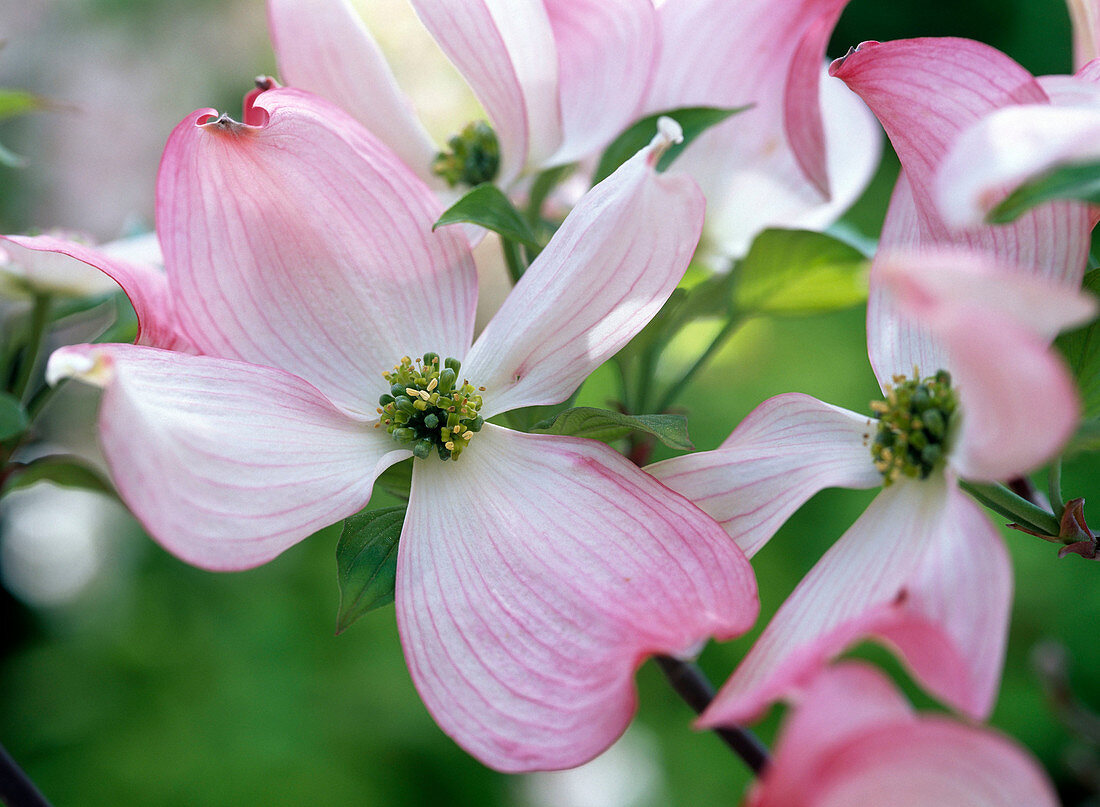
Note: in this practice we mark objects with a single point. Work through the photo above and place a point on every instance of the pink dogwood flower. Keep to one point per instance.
(1014, 144)
(805, 150)
(558, 79)
(922, 569)
(853, 741)
(534, 572)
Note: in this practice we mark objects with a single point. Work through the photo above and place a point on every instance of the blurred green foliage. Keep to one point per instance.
(166, 685)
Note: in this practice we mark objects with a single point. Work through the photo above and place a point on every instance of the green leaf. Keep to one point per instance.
(9, 159)
(13, 417)
(67, 471)
(693, 120)
(125, 325)
(73, 306)
(790, 272)
(1082, 350)
(608, 426)
(712, 297)
(366, 562)
(1080, 181)
(1085, 440)
(18, 102)
(396, 480)
(487, 206)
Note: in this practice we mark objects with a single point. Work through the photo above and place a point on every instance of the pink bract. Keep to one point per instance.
(535, 572)
(853, 741)
(1085, 17)
(1009, 146)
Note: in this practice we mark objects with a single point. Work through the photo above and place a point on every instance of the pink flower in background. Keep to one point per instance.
(853, 741)
(922, 568)
(807, 148)
(534, 572)
(50, 273)
(1085, 17)
(926, 92)
(558, 79)
(1014, 144)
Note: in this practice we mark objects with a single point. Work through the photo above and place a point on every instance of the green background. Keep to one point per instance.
(166, 685)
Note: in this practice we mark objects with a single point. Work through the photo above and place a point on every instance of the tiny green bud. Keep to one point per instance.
(422, 449)
(930, 455)
(447, 380)
(921, 400)
(431, 421)
(384, 400)
(934, 423)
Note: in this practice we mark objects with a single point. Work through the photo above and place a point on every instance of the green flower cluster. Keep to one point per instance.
(913, 425)
(428, 409)
(474, 156)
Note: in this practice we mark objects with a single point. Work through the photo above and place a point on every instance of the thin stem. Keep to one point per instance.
(647, 362)
(513, 258)
(1054, 487)
(8, 357)
(42, 397)
(716, 344)
(1023, 487)
(625, 401)
(1002, 500)
(689, 683)
(16, 789)
(39, 319)
(540, 189)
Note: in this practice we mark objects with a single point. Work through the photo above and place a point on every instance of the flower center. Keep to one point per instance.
(913, 425)
(474, 156)
(427, 408)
